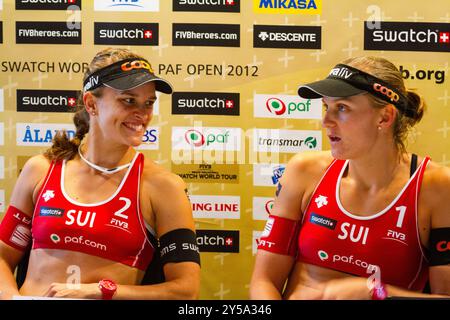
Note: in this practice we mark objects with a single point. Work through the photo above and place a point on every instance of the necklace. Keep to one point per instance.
(102, 169)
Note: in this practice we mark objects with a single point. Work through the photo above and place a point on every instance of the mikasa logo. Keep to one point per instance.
(341, 73)
(208, 2)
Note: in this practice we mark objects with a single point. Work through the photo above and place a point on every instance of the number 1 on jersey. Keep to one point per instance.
(401, 215)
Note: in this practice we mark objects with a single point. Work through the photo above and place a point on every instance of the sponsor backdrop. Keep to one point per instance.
(235, 119)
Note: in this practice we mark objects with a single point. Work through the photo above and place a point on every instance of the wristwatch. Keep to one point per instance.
(379, 292)
(108, 288)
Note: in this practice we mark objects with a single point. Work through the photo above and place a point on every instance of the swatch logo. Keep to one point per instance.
(207, 5)
(407, 36)
(46, 100)
(323, 221)
(218, 240)
(51, 212)
(145, 34)
(226, 104)
(194, 138)
(46, 4)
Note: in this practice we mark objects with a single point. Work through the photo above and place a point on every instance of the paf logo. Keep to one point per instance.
(276, 106)
(194, 138)
(262, 207)
(288, 6)
(269, 206)
(286, 106)
(206, 138)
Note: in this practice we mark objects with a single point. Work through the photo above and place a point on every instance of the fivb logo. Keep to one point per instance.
(267, 175)
(216, 207)
(126, 5)
(41, 134)
(262, 207)
(288, 141)
(150, 139)
(288, 6)
(407, 36)
(206, 138)
(286, 106)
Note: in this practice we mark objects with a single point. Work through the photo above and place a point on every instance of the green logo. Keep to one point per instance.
(322, 255)
(55, 238)
(311, 142)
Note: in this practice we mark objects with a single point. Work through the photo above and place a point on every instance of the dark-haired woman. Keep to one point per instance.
(88, 208)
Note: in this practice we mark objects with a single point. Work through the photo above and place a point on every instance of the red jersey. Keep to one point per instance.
(113, 229)
(334, 238)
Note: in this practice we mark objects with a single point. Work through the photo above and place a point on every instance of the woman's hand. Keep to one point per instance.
(347, 289)
(74, 291)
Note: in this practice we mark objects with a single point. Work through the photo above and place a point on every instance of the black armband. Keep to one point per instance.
(179, 245)
(440, 246)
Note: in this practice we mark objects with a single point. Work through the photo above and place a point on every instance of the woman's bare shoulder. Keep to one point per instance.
(310, 163)
(435, 191)
(157, 176)
(36, 167)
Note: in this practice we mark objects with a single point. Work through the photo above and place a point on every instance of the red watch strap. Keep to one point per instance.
(379, 292)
